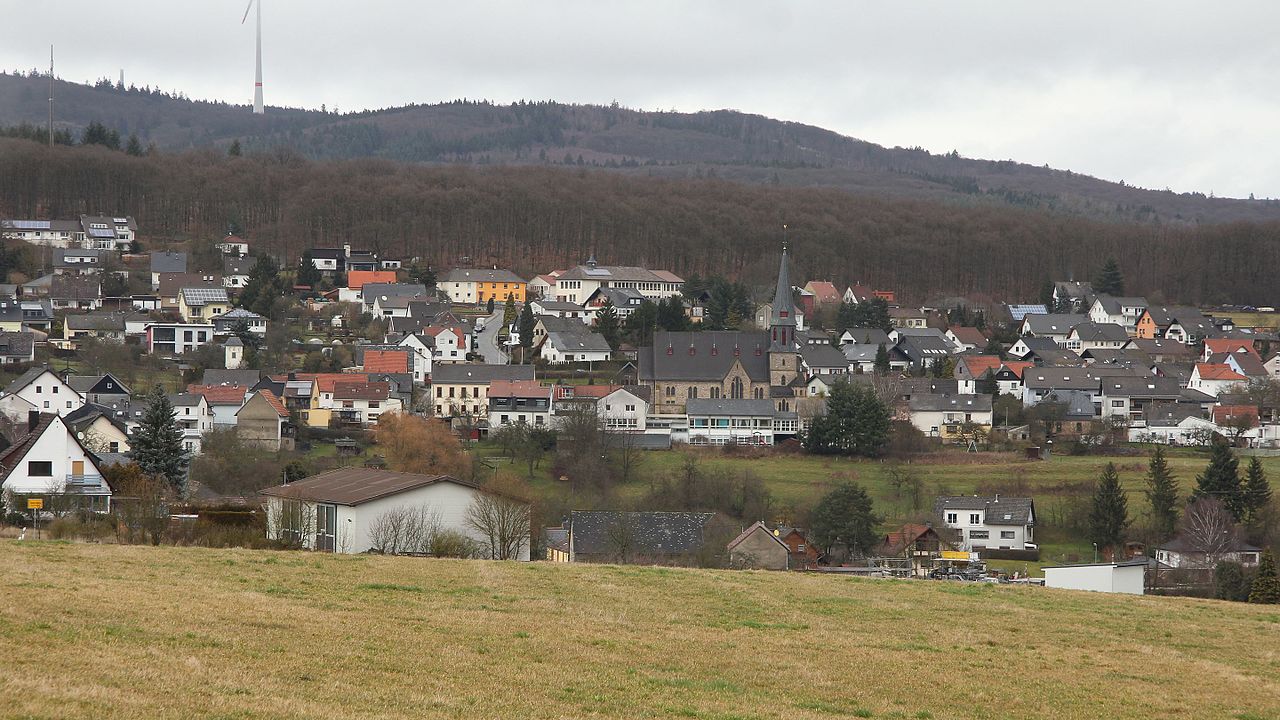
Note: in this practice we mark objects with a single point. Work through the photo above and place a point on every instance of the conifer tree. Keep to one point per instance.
(1256, 491)
(157, 443)
(882, 360)
(607, 324)
(1162, 494)
(1109, 515)
(526, 326)
(1266, 586)
(1221, 479)
(1110, 281)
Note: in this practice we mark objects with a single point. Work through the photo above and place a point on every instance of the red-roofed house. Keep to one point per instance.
(858, 294)
(1235, 416)
(1214, 378)
(356, 280)
(1214, 346)
(386, 361)
(919, 545)
(519, 401)
(973, 368)
(450, 343)
(264, 421)
(824, 293)
(224, 401)
(966, 338)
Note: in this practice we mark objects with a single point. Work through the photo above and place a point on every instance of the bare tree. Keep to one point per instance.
(1209, 528)
(404, 530)
(501, 520)
(291, 522)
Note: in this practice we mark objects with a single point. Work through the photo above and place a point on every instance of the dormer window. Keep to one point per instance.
(783, 313)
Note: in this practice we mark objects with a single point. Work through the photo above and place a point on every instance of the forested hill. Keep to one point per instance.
(537, 218)
(723, 144)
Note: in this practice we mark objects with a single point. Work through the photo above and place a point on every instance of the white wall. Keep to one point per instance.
(55, 446)
(447, 501)
(48, 394)
(1097, 578)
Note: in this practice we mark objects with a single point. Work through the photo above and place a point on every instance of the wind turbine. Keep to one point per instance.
(257, 85)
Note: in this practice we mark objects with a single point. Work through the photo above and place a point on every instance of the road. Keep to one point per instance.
(487, 340)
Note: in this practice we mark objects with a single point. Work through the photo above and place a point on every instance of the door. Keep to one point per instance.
(326, 527)
(77, 468)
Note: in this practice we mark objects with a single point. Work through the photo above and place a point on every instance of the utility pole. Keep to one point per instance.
(50, 95)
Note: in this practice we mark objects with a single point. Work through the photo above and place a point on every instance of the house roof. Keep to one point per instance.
(979, 365)
(168, 262)
(823, 291)
(939, 402)
(519, 388)
(1052, 324)
(356, 279)
(12, 456)
(220, 394)
(757, 526)
(1170, 414)
(1167, 315)
(968, 335)
(648, 533)
(869, 336)
(361, 390)
(999, 510)
(75, 287)
(729, 406)
(1148, 386)
(896, 542)
(84, 383)
(1224, 414)
(1113, 305)
(1161, 346)
(271, 400)
(1018, 313)
(171, 284)
(1218, 371)
(248, 378)
(198, 296)
(1059, 378)
(578, 341)
(617, 273)
(1099, 332)
(102, 321)
(358, 485)
(390, 361)
(705, 355)
(17, 344)
(488, 275)
(464, 373)
(823, 356)
(375, 290)
(25, 379)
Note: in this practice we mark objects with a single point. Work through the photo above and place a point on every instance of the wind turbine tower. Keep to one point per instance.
(257, 85)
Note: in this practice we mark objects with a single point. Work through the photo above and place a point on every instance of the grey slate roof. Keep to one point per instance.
(869, 336)
(646, 534)
(167, 262)
(109, 321)
(1055, 324)
(729, 406)
(824, 356)
(1100, 332)
(1169, 414)
(478, 373)
(1162, 388)
(371, 291)
(501, 275)
(1113, 305)
(17, 344)
(1060, 378)
(25, 379)
(1000, 510)
(937, 402)
(247, 378)
(583, 341)
(713, 353)
(1164, 315)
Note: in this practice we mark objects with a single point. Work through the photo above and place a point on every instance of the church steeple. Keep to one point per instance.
(782, 320)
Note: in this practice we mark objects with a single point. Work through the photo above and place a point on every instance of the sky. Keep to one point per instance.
(1158, 94)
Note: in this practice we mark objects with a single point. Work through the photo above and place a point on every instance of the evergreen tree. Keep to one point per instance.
(671, 315)
(1046, 295)
(1110, 281)
(527, 324)
(1221, 479)
(234, 150)
(994, 347)
(1109, 515)
(157, 443)
(488, 305)
(1162, 494)
(509, 312)
(134, 147)
(882, 360)
(307, 273)
(607, 324)
(856, 423)
(263, 289)
(1266, 586)
(845, 517)
(639, 324)
(1256, 493)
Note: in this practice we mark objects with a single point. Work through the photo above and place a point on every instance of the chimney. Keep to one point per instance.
(33, 419)
(997, 497)
(346, 249)
(292, 375)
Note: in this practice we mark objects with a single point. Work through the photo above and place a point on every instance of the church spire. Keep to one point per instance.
(782, 320)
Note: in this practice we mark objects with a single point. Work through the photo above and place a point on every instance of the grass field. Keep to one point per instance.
(102, 631)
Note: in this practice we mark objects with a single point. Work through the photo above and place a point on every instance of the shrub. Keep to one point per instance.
(1231, 582)
(451, 543)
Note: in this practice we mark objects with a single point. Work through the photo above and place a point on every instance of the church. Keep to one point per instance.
(728, 364)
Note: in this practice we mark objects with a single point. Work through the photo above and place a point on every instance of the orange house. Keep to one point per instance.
(474, 286)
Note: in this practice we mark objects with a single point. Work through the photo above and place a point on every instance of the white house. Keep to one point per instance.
(566, 347)
(621, 411)
(558, 308)
(1215, 378)
(194, 418)
(1096, 336)
(50, 460)
(578, 283)
(176, 338)
(362, 403)
(1181, 553)
(39, 390)
(726, 421)
(421, 354)
(1054, 325)
(1007, 523)
(944, 415)
(1122, 577)
(1122, 311)
(342, 511)
(450, 343)
(513, 402)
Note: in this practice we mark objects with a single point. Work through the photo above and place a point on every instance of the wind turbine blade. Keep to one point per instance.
(246, 12)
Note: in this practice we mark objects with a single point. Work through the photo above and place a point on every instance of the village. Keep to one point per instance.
(124, 365)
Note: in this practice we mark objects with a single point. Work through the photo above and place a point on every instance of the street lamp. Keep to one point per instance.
(1095, 552)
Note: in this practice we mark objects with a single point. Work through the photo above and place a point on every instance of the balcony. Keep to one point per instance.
(88, 484)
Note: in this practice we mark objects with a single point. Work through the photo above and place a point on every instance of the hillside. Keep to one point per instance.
(102, 631)
(536, 218)
(727, 144)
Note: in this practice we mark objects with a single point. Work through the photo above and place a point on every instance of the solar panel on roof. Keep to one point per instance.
(204, 295)
(101, 233)
(121, 221)
(31, 224)
(598, 271)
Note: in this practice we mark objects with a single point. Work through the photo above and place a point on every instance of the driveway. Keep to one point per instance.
(487, 340)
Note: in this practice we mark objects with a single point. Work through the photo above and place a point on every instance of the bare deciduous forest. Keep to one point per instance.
(535, 218)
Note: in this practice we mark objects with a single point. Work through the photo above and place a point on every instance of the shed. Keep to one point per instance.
(1123, 577)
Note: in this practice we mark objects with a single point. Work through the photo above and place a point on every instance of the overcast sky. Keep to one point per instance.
(1158, 94)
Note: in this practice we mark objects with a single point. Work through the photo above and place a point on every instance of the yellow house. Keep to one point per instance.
(472, 286)
(202, 304)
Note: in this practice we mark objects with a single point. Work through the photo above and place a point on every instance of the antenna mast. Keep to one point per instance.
(50, 95)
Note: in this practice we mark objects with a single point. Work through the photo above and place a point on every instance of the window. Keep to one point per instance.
(1117, 403)
(693, 392)
(54, 390)
(39, 390)
(951, 518)
(978, 534)
(975, 519)
(1006, 534)
(40, 468)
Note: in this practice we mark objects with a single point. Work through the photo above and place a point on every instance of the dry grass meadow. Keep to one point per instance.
(103, 631)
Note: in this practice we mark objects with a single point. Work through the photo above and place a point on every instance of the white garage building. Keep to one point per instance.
(352, 510)
(1122, 577)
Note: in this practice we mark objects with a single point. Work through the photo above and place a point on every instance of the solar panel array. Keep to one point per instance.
(101, 233)
(30, 224)
(1019, 312)
(200, 296)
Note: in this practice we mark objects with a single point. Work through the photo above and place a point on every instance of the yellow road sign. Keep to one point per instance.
(35, 503)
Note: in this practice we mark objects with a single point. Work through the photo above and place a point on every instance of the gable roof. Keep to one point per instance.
(941, 402)
(488, 275)
(479, 373)
(220, 394)
(823, 291)
(360, 390)
(729, 406)
(1099, 332)
(270, 399)
(968, 335)
(1218, 371)
(168, 262)
(979, 365)
(1113, 305)
(823, 356)
(172, 283)
(705, 355)
(868, 336)
(389, 361)
(1018, 313)
(757, 526)
(358, 485)
(12, 456)
(75, 287)
(519, 388)
(198, 296)
(649, 533)
(1053, 324)
(999, 510)
(1228, 345)
(27, 378)
(575, 341)
(357, 279)
(83, 384)
(101, 321)
(17, 344)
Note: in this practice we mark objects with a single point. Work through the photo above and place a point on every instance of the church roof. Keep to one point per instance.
(707, 355)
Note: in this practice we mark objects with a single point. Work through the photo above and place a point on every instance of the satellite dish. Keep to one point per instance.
(80, 435)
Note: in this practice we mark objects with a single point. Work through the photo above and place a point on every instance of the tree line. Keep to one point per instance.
(535, 218)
